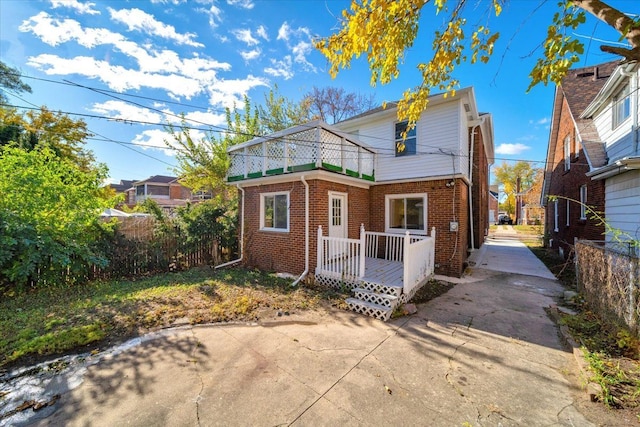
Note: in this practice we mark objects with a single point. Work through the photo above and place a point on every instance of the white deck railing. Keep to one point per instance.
(346, 258)
(340, 257)
(419, 258)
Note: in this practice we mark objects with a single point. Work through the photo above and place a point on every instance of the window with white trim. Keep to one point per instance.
(555, 215)
(568, 213)
(621, 107)
(406, 212)
(274, 211)
(407, 146)
(567, 152)
(583, 202)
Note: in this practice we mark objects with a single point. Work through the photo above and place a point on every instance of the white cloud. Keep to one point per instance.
(214, 13)
(205, 118)
(124, 111)
(251, 54)
(262, 32)
(230, 92)
(245, 36)
(300, 52)
(299, 42)
(82, 8)
(245, 4)
(280, 68)
(283, 31)
(139, 20)
(511, 148)
(166, 70)
(174, 2)
(154, 139)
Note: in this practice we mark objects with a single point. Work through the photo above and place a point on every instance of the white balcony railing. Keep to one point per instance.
(301, 148)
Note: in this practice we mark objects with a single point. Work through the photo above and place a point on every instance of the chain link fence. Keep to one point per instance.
(608, 276)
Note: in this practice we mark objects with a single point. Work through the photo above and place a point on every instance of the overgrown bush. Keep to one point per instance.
(49, 225)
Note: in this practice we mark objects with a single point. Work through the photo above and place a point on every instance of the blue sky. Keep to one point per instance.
(119, 63)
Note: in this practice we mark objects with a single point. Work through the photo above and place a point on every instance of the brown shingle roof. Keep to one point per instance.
(579, 87)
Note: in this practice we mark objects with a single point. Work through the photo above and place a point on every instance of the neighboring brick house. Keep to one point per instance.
(165, 190)
(494, 204)
(575, 148)
(356, 173)
(531, 211)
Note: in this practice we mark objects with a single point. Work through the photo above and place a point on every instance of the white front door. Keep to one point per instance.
(337, 222)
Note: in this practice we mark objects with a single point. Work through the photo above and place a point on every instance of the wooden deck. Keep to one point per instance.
(376, 270)
(383, 272)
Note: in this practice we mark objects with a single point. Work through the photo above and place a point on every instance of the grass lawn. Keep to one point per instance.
(53, 321)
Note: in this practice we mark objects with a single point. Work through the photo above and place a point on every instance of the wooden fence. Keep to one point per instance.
(136, 251)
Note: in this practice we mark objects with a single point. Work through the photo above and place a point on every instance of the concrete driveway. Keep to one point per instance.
(484, 354)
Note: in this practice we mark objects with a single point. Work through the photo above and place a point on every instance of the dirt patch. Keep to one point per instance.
(431, 290)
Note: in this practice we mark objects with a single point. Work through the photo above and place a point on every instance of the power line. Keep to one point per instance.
(148, 98)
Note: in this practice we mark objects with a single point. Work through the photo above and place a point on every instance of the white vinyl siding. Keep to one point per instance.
(622, 204)
(618, 139)
(439, 132)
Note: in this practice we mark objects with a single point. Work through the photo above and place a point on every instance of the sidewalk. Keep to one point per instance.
(501, 252)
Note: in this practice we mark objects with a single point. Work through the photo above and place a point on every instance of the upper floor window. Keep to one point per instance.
(583, 202)
(274, 211)
(621, 107)
(407, 146)
(567, 153)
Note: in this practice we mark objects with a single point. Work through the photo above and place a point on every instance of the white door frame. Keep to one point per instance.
(341, 230)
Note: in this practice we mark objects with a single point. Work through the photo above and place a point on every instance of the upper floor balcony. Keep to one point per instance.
(312, 146)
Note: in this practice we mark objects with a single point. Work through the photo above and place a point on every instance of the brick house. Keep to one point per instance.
(165, 190)
(494, 204)
(313, 196)
(575, 148)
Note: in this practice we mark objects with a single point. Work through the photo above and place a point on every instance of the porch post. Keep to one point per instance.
(363, 250)
(405, 263)
(319, 253)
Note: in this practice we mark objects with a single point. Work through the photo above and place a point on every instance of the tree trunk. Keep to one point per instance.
(626, 26)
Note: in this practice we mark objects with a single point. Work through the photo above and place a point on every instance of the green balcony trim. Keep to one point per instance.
(277, 171)
(331, 167)
(300, 168)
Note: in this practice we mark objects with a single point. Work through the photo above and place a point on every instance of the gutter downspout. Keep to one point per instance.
(306, 232)
(235, 261)
(472, 150)
(633, 89)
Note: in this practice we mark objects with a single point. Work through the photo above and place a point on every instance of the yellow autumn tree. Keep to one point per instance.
(384, 29)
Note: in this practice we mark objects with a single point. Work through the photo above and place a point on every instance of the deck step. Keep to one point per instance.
(389, 301)
(379, 288)
(370, 309)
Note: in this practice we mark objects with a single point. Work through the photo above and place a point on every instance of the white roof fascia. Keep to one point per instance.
(619, 166)
(608, 89)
